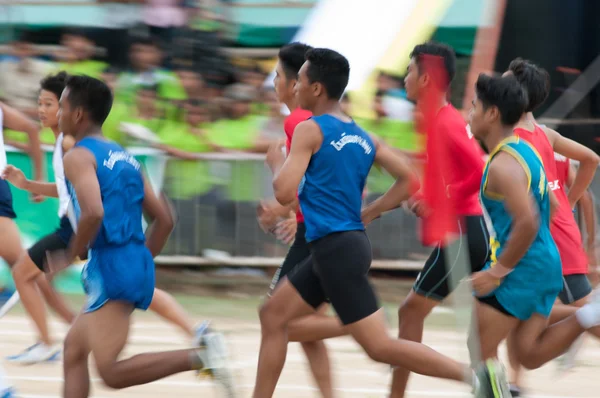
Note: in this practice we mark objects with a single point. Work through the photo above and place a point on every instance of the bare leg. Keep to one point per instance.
(25, 274)
(315, 327)
(11, 248)
(286, 304)
(54, 299)
(108, 329)
(165, 306)
(539, 343)
(75, 363)
(492, 326)
(516, 370)
(411, 317)
(275, 314)
(318, 358)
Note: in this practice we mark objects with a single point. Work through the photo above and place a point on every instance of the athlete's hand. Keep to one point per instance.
(286, 230)
(484, 283)
(590, 249)
(58, 260)
(368, 216)
(418, 207)
(36, 198)
(15, 176)
(267, 218)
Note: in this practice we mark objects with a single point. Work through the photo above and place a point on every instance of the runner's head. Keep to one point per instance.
(51, 88)
(499, 103)
(85, 103)
(290, 59)
(323, 77)
(432, 65)
(535, 80)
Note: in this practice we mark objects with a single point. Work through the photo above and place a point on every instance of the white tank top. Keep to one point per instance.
(59, 177)
(2, 149)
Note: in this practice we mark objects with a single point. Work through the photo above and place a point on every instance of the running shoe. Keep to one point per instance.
(566, 361)
(8, 393)
(515, 391)
(213, 352)
(491, 381)
(37, 353)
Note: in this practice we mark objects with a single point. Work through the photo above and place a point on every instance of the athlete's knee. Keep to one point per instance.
(271, 315)
(74, 352)
(378, 349)
(24, 270)
(110, 376)
(414, 309)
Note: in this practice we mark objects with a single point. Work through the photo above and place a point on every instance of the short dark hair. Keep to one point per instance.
(91, 94)
(505, 93)
(329, 68)
(437, 50)
(292, 57)
(534, 79)
(55, 83)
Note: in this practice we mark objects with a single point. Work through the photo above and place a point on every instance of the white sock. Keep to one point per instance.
(587, 316)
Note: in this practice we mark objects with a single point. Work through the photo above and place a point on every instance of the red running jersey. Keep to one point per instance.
(564, 228)
(297, 116)
(452, 176)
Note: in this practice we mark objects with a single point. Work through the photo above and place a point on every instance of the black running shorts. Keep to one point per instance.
(6, 200)
(57, 240)
(575, 287)
(434, 280)
(337, 271)
(298, 252)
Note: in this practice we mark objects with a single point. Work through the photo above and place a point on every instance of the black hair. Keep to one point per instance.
(145, 41)
(55, 83)
(91, 94)
(329, 68)
(535, 80)
(437, 50)
(505, 93)
(24, 37)
(292, 57)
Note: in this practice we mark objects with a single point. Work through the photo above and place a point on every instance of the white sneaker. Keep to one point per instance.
(8, 393)
(35, 354)
(216, 364)
(566, 361)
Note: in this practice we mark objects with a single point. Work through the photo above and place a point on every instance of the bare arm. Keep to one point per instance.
(507, 178)
(398, 167)
(588, 162)
(80, 170)
(17, 121)
(288, 172)
(586, 205)
(161, 219)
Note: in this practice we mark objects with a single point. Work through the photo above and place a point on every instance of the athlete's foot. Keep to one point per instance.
(37, 353)
(490, 381)
(588, 316)
(213, 353)
(566, 361)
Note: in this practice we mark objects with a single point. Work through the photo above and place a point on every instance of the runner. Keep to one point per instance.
(518, 287)
(110, 196)
(291, 58)
(566, 234)
(328, 164)
(462, 177)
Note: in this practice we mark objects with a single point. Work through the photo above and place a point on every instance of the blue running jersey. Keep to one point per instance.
(122, 190)
(120, 267)
(330, 193)
(535, 282)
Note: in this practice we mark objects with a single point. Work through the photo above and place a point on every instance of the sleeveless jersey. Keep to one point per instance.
(564, 227)
(122, 190)
(331, 191)
(536, 280)
(59, 177)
